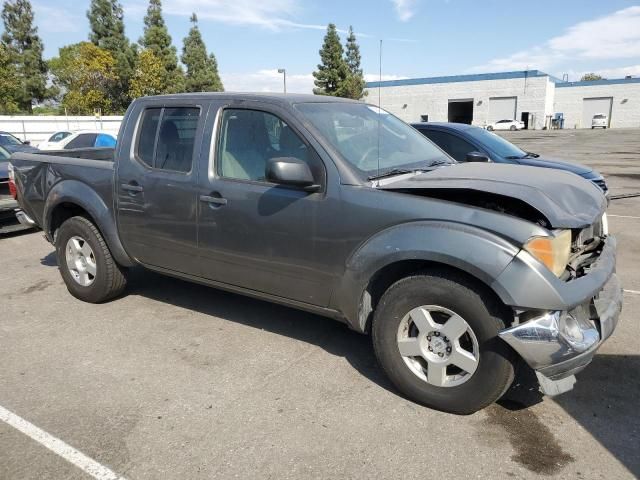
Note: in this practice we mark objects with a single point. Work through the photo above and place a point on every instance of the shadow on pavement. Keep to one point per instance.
(50, 260)
(606, 402)
(334, 337)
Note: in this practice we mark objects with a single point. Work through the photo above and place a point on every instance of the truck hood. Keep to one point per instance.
(564, 199)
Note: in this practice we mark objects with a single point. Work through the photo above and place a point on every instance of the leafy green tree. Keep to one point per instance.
(148, 76)
(333, 70)
(24, 50)
(10, 89)
(107, 32)
(354, 84)
(156, 38)
(590, 77)
(202, 69)
(87, 75)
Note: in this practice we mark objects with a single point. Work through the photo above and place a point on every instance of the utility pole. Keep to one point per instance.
(283, 71)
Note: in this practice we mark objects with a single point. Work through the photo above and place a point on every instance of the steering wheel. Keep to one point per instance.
(362, 163)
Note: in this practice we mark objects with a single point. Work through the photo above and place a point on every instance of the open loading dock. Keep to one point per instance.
(461, 111)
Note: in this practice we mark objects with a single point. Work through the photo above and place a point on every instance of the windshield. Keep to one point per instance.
(496, 143)
(363, 134)
(599, 117)
(8, 139)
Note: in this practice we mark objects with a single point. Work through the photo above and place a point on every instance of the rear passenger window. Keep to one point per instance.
(166, 138)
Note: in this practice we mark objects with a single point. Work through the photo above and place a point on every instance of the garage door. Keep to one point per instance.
(502, 108)
(595, 106)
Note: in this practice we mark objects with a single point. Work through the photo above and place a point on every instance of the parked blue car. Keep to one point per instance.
(468, 143)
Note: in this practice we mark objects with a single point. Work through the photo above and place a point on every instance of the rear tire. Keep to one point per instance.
(490, 128)
(483, 316)
(513, 128)
(85, 262)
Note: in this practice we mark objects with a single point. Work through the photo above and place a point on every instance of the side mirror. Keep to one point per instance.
(27, 142)
(290, 171)
(476, 157)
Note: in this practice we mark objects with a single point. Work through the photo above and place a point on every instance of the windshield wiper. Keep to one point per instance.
(391, 173)
(531, 155)
(438, 163)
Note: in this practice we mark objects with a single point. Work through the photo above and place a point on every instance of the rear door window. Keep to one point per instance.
(166, 137)
(455, 146)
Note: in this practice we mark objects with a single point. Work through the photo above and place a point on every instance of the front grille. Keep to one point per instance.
(601, 184)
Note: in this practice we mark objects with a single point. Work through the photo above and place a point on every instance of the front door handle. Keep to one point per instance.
(131, 188)
(213, 200)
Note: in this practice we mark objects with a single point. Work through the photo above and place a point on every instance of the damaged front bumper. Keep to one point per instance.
(559, 343)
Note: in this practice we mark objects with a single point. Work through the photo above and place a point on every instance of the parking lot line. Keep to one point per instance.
(635, 292)
(622, 216)
(59, 447)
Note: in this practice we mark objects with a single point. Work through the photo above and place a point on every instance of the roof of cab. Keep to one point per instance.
(276, 98)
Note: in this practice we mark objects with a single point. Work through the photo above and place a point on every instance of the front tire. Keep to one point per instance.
(435, 336)
(85, 262)
(513, 128)
(490, 128)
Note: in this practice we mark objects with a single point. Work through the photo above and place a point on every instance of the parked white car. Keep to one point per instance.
(506, 125)
(82, 139)
(53, 141)
(600, 120)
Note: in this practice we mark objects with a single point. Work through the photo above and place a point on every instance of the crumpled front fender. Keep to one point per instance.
(477, 252)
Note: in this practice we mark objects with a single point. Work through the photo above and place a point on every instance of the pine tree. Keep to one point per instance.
(107, 32)
(156, 38)
(24, 50)
(354, 85)
(333, 71)
(202, 69)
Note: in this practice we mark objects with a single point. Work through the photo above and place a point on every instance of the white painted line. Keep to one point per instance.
(622, 216)
(57, 446)
(635, 292)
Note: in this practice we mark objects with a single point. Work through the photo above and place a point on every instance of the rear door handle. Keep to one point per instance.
(213, 200)
(131, 188)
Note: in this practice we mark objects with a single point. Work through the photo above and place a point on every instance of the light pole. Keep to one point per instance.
(284, 78)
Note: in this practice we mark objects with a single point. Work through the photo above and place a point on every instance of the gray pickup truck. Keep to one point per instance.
(461, 272)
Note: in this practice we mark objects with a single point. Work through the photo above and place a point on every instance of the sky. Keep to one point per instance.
(420, 38)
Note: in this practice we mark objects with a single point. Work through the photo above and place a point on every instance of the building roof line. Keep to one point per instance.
(474, 77)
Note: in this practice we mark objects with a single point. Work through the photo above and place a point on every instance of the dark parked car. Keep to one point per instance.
(459, 271)
(13, 144)
(8, 204)
(459, 140)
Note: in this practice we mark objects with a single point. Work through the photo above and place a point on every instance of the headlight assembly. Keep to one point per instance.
(553, 251)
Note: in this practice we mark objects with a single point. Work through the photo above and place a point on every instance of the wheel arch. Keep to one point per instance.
(71, 198)
(401, 251)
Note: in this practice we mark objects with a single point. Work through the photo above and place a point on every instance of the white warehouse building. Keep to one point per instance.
(532, 96)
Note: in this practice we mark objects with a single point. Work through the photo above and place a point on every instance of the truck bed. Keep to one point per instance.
(38, 173)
